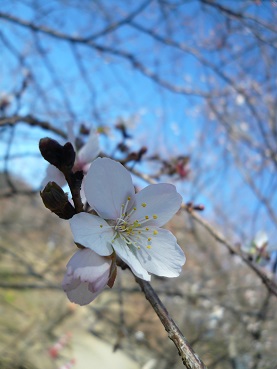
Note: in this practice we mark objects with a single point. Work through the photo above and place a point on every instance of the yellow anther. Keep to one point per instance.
(143, 204)
(148, 247)
(128, 198)
(138, 247)
(147, 229)
(155, 216)
(155, 232)
(139, 232)
(149, 239)
(101, 225)
(146, 217)
(135, 209)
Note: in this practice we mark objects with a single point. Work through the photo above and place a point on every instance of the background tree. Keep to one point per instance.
(179, 91)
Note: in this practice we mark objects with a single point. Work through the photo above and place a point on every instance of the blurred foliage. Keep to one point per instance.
(218, 303)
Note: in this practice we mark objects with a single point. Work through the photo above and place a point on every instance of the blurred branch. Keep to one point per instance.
(126, 20)
(217, 70)
(269, 283)
(111, 27)
(18, 192)
(28, 286)
(241, 16)
(258, 332)
(32, 121)
(108, 50)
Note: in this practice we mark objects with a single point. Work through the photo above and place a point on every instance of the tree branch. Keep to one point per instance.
(32, 121)
(269, 283)
(190, 359)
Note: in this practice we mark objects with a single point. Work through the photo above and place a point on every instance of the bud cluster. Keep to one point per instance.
(53, 197)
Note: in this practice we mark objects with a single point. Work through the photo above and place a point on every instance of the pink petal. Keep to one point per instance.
(88, 265)
(82, 295)
(86, 277)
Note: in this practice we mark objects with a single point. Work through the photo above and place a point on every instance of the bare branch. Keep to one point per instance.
(32, 121)
(190, 359)
(269, 283)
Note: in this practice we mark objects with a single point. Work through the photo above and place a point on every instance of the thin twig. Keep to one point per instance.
(32, 121)
(75, 188)
(269, 283)
(190, 359)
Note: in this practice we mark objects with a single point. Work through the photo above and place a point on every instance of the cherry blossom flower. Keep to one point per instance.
(87, 275)
(88, 152)
(128, 222)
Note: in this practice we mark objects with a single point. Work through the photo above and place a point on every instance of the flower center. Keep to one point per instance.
(134, 233)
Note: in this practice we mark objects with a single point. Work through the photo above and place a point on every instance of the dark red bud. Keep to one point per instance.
(122, 147)
(199, 207)
(62, 157)
(141, 152)
(122, 128)
(84, 130)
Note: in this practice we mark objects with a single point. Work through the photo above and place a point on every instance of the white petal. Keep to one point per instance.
(160, 200)
(90, 150)
(165, 257)
(87, 231)
(81, 295)
(107, 186)
(126, 254)
(53, 174)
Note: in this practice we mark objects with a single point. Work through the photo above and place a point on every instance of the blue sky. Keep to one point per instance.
(170, 124)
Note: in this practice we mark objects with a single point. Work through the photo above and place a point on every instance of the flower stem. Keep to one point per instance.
(75, 191)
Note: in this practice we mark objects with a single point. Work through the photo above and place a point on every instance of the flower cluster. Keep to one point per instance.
(121, 223)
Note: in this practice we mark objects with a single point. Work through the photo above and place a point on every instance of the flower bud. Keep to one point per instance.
(123, 129)
(87, 276)
(62, 157)
(56, 200)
